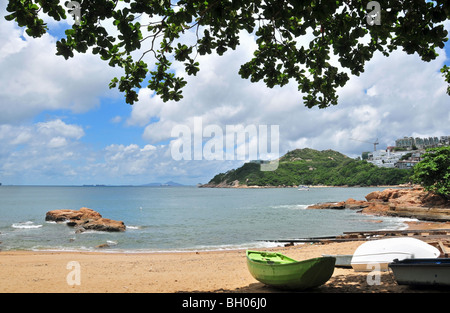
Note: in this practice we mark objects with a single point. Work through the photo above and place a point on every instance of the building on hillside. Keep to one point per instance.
(410, 143)
(399, 159)
(410, 159)
(405, 164)
(385, 158)
(406, 153)
(445, 140)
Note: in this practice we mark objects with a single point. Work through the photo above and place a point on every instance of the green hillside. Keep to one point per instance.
(312, 167)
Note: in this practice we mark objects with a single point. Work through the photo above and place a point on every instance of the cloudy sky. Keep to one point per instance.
(61, 124)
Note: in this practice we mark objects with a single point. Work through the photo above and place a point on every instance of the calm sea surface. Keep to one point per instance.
(178, 218)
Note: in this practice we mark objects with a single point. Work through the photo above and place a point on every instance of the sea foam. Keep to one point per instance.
(291, 206)
(25, 225)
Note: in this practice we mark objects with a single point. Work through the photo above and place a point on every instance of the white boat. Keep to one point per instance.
(376, 255)
(304, 188)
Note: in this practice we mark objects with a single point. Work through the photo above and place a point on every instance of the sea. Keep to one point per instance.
(178, 219)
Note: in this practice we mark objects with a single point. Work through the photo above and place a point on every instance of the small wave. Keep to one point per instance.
(133, 227)
(399, 223)
(291, 206)
(242, 246)
(111, 249)
(62, 249)
(25, 225)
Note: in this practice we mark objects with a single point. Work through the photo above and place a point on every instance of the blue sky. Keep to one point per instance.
(61, 124)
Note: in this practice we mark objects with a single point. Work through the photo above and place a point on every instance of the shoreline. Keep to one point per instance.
(309, 186)
(222, 271)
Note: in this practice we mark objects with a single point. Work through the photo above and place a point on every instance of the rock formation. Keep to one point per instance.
(413, 202)
(348, 204)
(85, 219)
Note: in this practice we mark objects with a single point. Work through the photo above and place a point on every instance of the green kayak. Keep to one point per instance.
(280, 271)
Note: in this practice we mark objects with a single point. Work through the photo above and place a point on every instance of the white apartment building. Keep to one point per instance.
(413, 146)
(385, 158)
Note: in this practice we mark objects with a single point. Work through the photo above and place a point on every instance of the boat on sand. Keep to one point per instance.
(422, 272)
(342, 260)
(282, 272)
(378, 254)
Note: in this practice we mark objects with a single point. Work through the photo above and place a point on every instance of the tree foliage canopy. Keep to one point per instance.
(433, 172)
(339, 28)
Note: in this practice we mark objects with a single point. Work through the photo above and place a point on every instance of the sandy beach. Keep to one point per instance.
(215, 271)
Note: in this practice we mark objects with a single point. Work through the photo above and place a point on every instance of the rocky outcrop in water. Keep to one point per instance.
(85, 219)
(412, 202)
(348, 204)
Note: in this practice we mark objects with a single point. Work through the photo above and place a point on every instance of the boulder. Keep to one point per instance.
(101, 224)
(71, 215)
(355, 204)
(416, 196)
(328, 205)
(85, 219)
(386, 195)
(375, 208)
(348, 204)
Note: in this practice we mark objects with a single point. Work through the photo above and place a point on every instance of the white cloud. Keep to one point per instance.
(12, 42)
(57, 142)
(34, 79)
(40, 133)
(130, 160)
(59, 127)
(39, 151)
(116, 119)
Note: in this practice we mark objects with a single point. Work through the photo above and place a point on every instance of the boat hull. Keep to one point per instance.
(376, 255)
(342, 260)
(426, 272)
(281, 272)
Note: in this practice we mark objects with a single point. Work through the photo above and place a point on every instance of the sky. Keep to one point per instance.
(60, 124)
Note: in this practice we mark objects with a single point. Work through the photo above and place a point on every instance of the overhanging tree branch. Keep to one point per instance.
(337, 27)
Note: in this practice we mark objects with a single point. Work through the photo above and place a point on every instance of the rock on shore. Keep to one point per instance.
(85, 219)
(413, 202)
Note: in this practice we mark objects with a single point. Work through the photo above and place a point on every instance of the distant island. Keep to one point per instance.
(312, 168)
(169, 183)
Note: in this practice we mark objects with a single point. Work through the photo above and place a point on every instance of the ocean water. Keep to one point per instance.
(178, 218)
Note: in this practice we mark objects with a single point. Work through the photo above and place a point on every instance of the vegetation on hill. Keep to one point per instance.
(312, 167)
